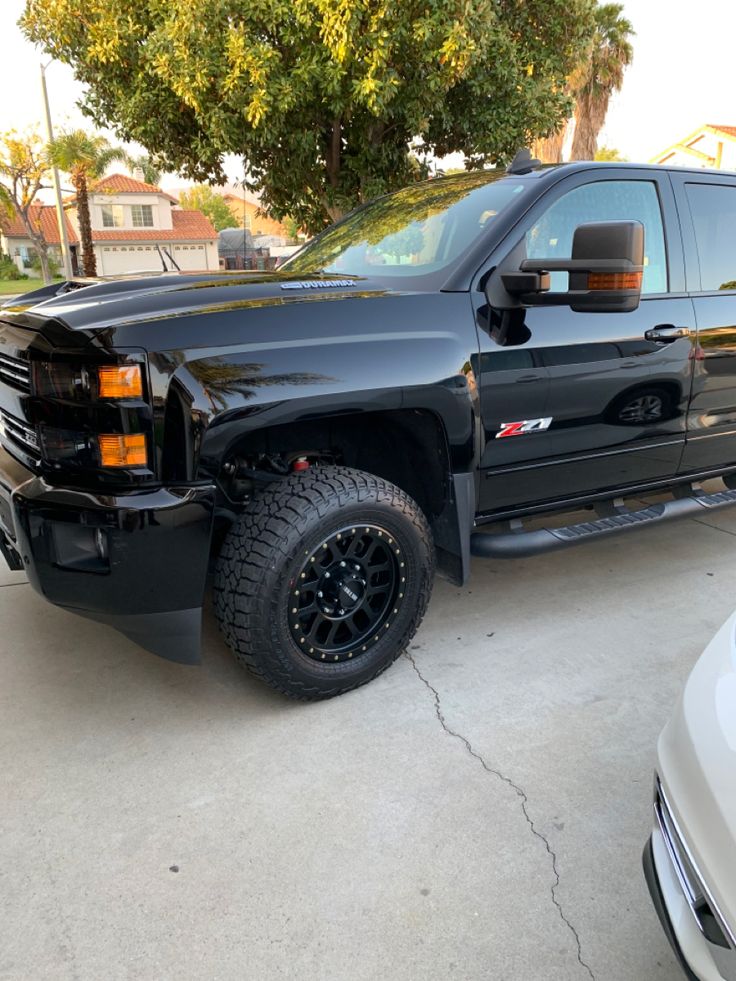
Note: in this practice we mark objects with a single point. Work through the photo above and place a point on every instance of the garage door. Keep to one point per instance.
(120, 259)
(190, 256)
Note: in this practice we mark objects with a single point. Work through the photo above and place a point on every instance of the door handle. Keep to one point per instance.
(666, 333)
(525, 379)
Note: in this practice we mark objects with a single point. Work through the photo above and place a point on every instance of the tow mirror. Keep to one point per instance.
(605, 271)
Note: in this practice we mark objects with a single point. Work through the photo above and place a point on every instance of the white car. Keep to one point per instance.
(690, 860)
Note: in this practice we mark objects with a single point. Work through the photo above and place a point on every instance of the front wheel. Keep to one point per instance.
(323, 581)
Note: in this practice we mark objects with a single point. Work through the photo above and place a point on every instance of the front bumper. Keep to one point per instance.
(137, 562)
(690, 917)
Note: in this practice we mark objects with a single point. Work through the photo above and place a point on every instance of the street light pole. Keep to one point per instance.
(60, 217)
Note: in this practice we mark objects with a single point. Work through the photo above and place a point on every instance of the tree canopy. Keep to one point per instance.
(203, 198)
(24, 169)
(324, 99)
(85, 157)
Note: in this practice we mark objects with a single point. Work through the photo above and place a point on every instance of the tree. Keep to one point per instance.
(203, 198)
(322, 98)
(601, 75)
(147, 166)
(85, 157)
(610, 154)
(24, 169)
(590, 85)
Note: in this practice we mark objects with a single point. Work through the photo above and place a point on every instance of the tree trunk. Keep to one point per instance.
(89, 263)
(39, 244)
(590, 114)
(43, 258)
(549, 148)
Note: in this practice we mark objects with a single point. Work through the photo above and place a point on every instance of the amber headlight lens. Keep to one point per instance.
(120, 381)
(123, 451)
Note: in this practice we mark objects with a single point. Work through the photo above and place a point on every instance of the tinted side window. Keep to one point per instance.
(713, 207)
(551, 236)
(511, 360)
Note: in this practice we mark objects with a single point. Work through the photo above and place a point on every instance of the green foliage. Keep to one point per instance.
(323, 98)
(599, 75)
(609, 154)
(8, 269)
(148, 167)
(210, 203)
(24, 169)
(85, 157)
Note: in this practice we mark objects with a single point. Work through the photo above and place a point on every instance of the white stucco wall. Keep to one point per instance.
(161, 208)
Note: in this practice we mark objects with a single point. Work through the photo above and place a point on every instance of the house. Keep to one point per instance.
(710, 145)
(246, 209)
(15, 242)
(133, 223)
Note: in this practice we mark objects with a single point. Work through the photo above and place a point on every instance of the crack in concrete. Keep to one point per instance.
(5, 584)
(707, 524)
(523, 799)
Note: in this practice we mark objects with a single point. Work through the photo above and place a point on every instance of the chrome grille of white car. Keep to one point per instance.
(717, 933)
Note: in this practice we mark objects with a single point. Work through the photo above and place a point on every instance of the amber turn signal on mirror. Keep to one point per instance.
(122, 381)
(614, 281)
(123, 451)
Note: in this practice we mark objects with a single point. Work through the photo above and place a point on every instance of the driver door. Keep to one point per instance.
(607, 392)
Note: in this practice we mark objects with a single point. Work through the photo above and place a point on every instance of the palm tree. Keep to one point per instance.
(600, 76)
(85, 158)
(146, 165)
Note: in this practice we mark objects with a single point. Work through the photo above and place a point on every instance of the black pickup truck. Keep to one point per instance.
(416, 382)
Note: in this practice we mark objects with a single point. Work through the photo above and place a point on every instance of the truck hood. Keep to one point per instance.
(90, 305)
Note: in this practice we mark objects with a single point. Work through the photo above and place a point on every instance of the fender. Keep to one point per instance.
(327, 356)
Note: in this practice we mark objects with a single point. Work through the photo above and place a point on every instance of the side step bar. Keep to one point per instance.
(689, 500)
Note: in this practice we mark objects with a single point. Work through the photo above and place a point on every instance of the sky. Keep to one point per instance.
(681, 77)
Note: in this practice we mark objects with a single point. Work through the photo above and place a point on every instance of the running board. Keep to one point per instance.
(690, 500)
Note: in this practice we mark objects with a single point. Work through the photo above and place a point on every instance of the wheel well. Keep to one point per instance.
(406, 447)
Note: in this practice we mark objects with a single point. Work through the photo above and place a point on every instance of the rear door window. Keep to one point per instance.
(713, 210)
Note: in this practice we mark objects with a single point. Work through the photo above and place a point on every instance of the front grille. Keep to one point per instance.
(15, 373)
(15, 432)
(710, 920)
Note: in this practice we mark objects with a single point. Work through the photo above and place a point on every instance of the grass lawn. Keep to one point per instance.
(16, 286)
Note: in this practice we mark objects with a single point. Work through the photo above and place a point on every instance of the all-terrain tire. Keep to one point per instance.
(262, 565)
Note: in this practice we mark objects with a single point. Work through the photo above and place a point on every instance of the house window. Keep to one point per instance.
(142, 215)
(112, 216)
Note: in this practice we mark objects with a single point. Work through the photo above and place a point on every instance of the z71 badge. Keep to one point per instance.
(523, 427)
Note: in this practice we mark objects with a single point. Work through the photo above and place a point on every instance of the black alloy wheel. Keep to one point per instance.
(645, 408)
(347, 592)
(323, 580)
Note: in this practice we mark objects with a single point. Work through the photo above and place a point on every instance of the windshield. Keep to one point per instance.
(417, 231)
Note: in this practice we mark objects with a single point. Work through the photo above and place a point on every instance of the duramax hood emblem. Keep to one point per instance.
(317, 284)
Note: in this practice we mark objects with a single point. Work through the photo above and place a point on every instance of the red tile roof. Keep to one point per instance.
(728, 130)
(46, 216)
(189, 226)
(122, 184)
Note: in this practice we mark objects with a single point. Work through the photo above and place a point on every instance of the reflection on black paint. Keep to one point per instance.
(220, 380)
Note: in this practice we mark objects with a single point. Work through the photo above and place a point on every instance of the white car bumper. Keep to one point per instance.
(690, 862)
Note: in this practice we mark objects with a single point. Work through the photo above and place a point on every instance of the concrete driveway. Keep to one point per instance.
(477, 813)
